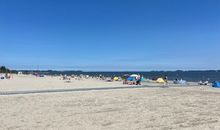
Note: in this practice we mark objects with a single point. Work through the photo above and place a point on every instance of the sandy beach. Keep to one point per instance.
(29, 82)
(109, 65)
(120, 109)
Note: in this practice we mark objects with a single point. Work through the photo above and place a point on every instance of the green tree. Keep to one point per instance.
(3, 69)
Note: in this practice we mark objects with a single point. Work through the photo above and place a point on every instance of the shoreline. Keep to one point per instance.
(30, 83)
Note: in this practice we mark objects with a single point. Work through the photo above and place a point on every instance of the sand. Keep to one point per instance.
(28, 82)
(122, 109)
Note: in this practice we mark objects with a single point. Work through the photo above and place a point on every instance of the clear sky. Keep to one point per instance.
(110, 34)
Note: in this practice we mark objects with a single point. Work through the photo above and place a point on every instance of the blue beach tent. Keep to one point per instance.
(216, 84)
(130, 79)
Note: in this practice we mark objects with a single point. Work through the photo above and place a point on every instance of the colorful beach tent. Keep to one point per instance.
(130, 79)
(115, 78)
(216, 84)
(160, 80)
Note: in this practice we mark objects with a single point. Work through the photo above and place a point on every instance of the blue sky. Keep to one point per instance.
(110, 34)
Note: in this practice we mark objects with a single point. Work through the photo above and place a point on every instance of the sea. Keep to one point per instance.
(194, 76)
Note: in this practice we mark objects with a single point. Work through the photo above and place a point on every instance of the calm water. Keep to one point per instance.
(186, 75)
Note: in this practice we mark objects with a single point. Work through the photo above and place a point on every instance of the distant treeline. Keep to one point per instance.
(51, 72)
(3, 69)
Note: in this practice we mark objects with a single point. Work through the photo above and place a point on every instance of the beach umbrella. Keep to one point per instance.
(130, 79)
(134, 75)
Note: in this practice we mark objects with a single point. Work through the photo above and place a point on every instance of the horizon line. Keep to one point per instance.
(116, 70)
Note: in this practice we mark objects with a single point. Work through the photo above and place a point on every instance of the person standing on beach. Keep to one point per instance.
(138, 82)
(166, 78)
